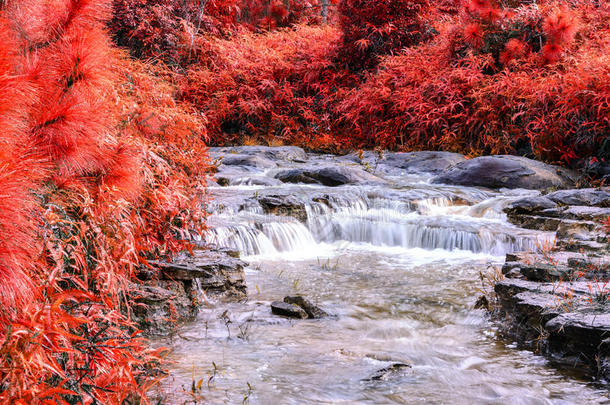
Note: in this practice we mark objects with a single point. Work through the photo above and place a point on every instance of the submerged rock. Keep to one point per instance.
(506, 171)
(313, 312)
(288, 310)
(388, 372)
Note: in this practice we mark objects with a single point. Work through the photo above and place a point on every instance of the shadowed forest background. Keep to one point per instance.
(107, 108)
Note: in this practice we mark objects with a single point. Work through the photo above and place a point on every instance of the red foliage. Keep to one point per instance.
(374, 28)
(436, 97)
(170, 29)
(274, 87)
(85, 200)
(513, 50)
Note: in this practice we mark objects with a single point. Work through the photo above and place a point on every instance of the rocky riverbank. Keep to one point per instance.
(183, 286)
(557, 302)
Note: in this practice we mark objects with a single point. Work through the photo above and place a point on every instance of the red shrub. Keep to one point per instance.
(82, 204)
(274, 87)
(374, 28)
(170, 30)
(436, 97)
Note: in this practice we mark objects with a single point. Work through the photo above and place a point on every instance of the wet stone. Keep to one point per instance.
(329, 176)
(506, 172)
(530, 205)
(389, 372)
(288, 310)
(482, 303)
(583, 197)
(313, 312)
(248, 161)
(284, 205)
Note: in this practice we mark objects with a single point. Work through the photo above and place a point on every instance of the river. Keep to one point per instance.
(399, 267)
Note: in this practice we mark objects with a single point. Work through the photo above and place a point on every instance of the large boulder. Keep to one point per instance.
(329, 176)
(599, 197)
(505, 171)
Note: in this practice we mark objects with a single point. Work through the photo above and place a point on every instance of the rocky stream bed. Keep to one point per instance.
(393, 251)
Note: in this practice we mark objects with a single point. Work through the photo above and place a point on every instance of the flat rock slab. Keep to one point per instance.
(216, 272)
(248, 161)
(504, 171)
(599, 197)
(287, 153)
(529, 205)
(422, 162)
(288, 310)
(329, 176)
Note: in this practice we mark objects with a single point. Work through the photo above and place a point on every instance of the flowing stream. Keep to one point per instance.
(398, 267)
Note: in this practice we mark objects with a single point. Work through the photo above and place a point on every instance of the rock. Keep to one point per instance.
(422, 162)
(297, 176)
(584, 213)
(585, 196)
(545, 272)
(389, 372)
(225, 181)
(329, 176)
(576, 229)
(506, 172)
(216, 272)
(159, 309)
(529, 205)
(248, 161)
(534, 222)
(482, 303)
(287, 153)
(284, 205)
(313, 312)
(579, 337)
(288, 310)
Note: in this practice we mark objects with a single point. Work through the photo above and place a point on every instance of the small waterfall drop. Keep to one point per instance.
(410, 219)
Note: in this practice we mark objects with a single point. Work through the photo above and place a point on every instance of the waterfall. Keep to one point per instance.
(354, 216)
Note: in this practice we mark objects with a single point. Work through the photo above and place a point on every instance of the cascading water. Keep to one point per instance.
(398, 266)
(435, 223)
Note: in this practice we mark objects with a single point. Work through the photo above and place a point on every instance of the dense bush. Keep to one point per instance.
(172, 30)
(532, 80)
(275, 87)
(375, 28)
(96, 178)
(484, 90)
